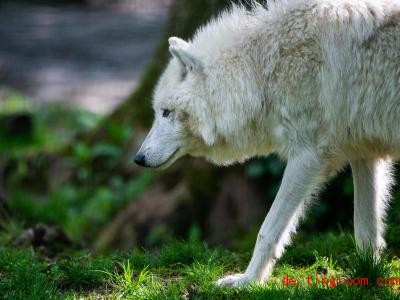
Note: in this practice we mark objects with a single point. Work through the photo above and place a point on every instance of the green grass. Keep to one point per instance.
(185, 270)
(366, 264)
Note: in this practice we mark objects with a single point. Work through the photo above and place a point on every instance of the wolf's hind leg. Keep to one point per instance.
(372, 183)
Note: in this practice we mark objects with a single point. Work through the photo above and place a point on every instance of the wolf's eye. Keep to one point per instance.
(165, 113)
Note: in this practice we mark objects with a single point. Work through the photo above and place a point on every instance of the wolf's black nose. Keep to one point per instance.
(140, 159)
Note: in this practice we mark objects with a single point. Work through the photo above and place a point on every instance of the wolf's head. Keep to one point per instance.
(182, 124)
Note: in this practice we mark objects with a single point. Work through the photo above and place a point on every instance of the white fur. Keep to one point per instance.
(315, 81)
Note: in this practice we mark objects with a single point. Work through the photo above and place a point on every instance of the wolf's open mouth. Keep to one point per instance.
(168, 159)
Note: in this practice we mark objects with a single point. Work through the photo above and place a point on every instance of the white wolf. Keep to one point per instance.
(316, 81)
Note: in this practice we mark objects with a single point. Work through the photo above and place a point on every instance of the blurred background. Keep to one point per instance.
(76, 79)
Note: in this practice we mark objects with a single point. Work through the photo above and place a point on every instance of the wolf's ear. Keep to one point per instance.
(179, 49)
(177, 42)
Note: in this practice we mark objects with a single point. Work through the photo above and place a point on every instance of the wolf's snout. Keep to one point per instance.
(140, 159)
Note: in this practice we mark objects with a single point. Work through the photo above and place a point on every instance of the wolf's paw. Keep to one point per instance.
(237, 280)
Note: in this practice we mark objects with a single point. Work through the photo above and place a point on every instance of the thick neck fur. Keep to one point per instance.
(247, 56)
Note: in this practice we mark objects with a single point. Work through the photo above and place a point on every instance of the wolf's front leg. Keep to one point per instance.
(302, 176)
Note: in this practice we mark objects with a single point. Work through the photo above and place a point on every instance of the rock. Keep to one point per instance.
(47, 239)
